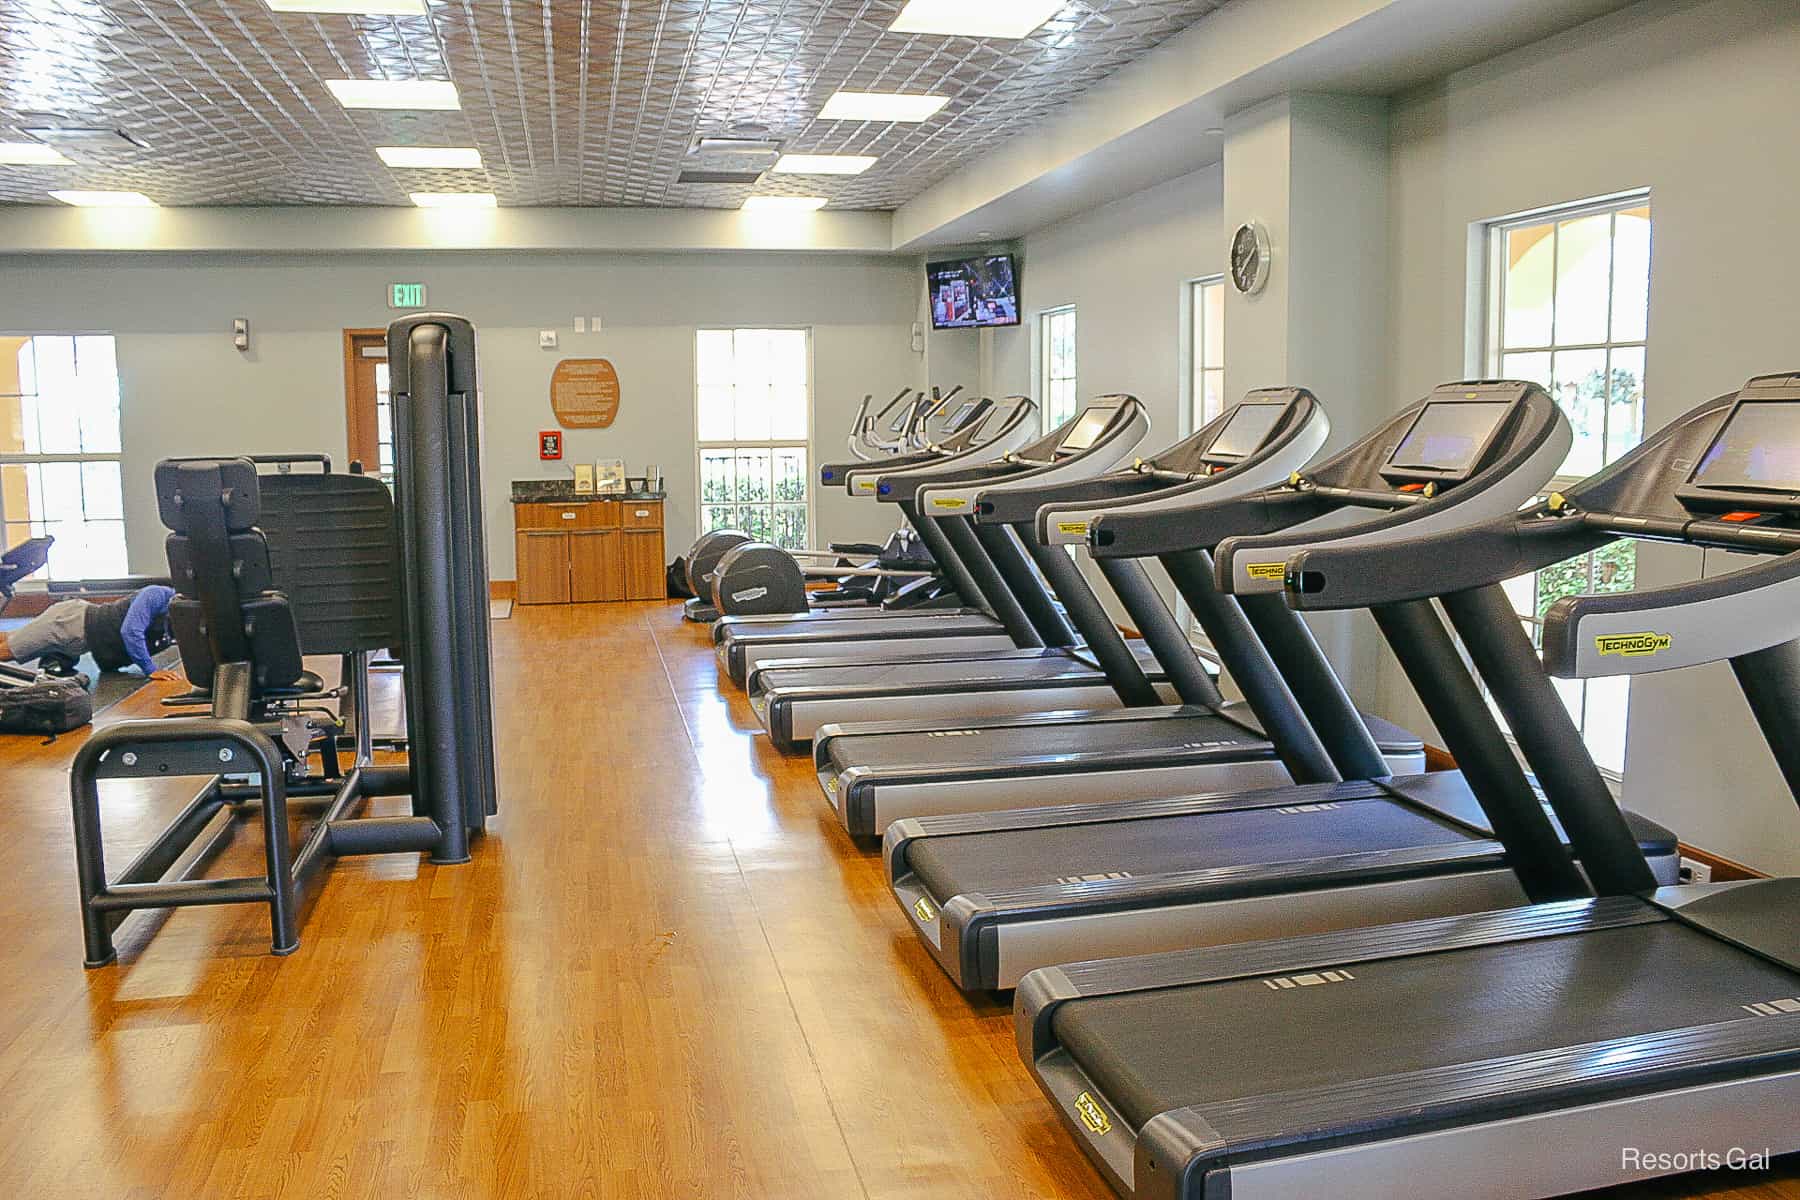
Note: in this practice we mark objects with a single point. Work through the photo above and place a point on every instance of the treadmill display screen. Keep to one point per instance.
(1447, 437)
(960, 417)
(899, 423)
(1758, 450)
(1248, 428)
(1086, 431)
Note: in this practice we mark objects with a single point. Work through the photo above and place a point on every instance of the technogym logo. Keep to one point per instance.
(1268, 570)
(1633, 645)
(1091, 1114)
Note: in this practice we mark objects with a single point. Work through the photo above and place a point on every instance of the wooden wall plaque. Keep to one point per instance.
(584, 393)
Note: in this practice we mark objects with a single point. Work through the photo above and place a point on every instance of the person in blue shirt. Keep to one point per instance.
(120, 633)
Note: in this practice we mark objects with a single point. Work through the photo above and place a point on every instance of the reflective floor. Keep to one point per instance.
(666, 973)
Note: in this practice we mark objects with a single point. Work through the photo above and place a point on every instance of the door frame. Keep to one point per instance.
(362, 438)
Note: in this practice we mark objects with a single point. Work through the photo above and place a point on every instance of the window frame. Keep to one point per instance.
(1046, 366)
(1198, 367)
(9, 458)
(702, 447)
(1494, 353)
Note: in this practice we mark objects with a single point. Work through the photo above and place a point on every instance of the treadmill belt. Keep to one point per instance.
(971, 673)
(999, 744)
(1153, 1051)
(991, 862)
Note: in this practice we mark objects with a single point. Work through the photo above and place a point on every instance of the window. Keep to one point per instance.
(59, 451)
(755, 399)
(1569, 309)
(384, 424)
(1058, 327)
(1207, 348)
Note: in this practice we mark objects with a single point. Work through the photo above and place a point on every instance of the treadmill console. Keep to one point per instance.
(1249, 427)
(1087, 430)
(960, 417)
(1453, 434)
(1752, 466)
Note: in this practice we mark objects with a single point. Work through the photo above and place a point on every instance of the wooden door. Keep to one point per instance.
(595, 569)
(365, 401)
(644, 579)
(543, 568)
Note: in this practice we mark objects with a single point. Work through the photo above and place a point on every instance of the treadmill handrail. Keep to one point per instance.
(1681, 625)
(1015, 432)
(1498, 489)
(1124, 430)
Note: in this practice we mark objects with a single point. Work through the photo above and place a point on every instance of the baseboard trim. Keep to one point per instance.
(503, 589)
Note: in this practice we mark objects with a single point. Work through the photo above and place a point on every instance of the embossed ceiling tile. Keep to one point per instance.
(569, 101)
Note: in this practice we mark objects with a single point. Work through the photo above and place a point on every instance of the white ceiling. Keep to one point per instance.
(571, 102)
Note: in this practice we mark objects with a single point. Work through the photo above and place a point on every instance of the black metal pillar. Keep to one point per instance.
(1507, 662)
(1316, 687)
(948, 560)
(1771, 682)
(1040, 607)
(1001, 601)
(1102, 636)
(1439, 676)
(1162, 632)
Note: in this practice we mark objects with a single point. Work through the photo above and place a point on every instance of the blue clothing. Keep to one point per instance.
(146, 607)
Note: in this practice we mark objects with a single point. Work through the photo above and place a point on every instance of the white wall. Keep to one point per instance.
(188, 391)
(1124, 267)
(1697, 102)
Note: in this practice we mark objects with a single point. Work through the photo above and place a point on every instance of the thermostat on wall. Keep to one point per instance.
(546, 339)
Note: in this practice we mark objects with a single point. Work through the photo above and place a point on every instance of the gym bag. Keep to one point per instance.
(48, 706)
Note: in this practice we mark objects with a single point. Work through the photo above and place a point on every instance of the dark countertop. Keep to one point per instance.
(562, 491)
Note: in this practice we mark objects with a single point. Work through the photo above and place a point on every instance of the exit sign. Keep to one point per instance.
(406, 295)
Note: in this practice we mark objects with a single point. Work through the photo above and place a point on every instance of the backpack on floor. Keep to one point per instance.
(48, 706)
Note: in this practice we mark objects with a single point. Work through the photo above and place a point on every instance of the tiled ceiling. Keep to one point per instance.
(569, 101)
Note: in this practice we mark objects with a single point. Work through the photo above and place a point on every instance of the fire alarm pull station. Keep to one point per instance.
(550, 444)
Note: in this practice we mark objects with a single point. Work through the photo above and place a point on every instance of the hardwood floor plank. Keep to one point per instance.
(665, 973)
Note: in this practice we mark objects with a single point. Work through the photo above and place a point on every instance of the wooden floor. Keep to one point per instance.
(666, 974)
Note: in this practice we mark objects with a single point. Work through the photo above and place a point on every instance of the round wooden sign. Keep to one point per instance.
(584, 393)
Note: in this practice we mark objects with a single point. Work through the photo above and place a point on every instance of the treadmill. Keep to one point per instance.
(1295, 725)
(1249, 447)
(987, 564)
(968, 625)
(995, 895)
(1505, 1054)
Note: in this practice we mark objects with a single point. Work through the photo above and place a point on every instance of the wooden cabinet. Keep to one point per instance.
(588, 551)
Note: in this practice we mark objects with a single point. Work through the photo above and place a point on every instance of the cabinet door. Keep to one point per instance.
(644, 565)
(543, 568)
(595, 572)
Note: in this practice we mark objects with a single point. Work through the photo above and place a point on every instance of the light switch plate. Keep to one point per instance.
(594, 324)
(546, 339)
(580, 324)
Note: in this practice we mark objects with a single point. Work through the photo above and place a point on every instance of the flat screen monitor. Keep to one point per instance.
(1248, 428)
(1448, 437)
(1757, 451)
(902, 419)
(973, 293)
(1085, 431)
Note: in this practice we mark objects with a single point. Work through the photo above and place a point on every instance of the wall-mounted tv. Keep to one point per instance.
(974, 293)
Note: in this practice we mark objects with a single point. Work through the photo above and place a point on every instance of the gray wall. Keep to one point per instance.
(188, 391)
(1697, 102)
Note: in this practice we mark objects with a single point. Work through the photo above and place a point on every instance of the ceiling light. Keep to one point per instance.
(784, 204)
(455, 199)
(395, 93)
(824, 164)
(881, 106)
(372, 8)
(455, 158)
(30, 154)
(989, 19)
(735, 145)
(105, 199)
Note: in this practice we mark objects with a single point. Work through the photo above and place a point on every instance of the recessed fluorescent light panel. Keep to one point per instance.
(881, 106)
(455, 199)
(824, 164)
(451, 158)
(105, 199)
(988, 19)
(30, 154)
(395, 93)
(735, 145)
(784, 204)
(373, 8)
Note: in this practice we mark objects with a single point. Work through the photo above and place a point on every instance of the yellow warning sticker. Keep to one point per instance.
(923, 909)
(1072, 528)
(1092, 1115)
(1274, 570)
(948, 502)
(1633, 645)
(865, 487)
